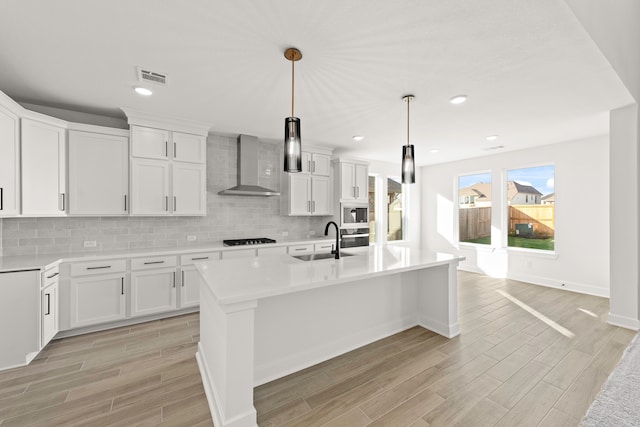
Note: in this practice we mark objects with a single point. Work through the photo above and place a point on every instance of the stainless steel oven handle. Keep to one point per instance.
(353, 236)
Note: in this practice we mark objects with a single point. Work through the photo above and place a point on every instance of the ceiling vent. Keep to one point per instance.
(147, 76)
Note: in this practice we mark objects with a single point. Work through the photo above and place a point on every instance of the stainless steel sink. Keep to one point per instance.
(313, 257)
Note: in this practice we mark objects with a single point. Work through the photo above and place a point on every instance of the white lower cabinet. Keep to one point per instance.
(153, 291)
(97, 299)
(49, 310)
(189, 287)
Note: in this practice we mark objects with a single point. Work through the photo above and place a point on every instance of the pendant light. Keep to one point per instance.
(408, 158)
(292, 142)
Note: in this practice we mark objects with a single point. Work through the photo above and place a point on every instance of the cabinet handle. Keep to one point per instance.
(174, 279)
(353, 190)
(300, 249)
(175, 150)
(98, 268)
(309, 165)
(308, 205)
(125, 202)
(358, 192)
(153, 262)
(166, 148)
(182, 278)
(166, 203)
(314, 166)
(175, 203)
(48, 304)
(52, 276)
(202, 257)
(313, 206)
(122, 286)
(1, 198)
(62, 202)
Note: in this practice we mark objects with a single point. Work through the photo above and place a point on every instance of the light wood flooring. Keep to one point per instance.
(512, 366)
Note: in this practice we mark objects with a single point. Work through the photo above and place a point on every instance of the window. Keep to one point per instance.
(474, 208)
(531, 208)
(372, 209)
(395, 205)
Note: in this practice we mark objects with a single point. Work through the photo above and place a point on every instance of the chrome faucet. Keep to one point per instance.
(335, 251)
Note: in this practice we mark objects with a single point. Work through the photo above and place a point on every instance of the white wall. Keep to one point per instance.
(581, 259)
(412, 211)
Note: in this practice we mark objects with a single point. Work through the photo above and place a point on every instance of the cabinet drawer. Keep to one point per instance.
(301, 249)
(153, 262)
(191, 258)
(50, 276)
(239, 253)
(323, 247)
(98, 267)
(277, 250)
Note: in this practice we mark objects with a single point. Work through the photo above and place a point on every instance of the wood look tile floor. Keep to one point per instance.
(528, 355)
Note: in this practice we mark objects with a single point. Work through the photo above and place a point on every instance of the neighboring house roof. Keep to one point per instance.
(551, 197)
(514, 188)
(483, 190)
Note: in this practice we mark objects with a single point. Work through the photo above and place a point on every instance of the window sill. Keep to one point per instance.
(537, 253)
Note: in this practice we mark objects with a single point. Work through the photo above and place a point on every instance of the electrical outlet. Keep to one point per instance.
(312, 232)
(285, 233)
(191, 238)
(89, 243)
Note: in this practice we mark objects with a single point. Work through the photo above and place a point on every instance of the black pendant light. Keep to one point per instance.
(408, 155)
(292, 141)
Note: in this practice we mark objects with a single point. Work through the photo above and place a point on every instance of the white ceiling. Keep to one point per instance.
(531, 72)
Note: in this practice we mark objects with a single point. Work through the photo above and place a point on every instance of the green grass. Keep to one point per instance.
(520, 242)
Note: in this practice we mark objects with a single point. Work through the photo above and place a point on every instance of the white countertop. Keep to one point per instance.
(247, 279)
(32, 262)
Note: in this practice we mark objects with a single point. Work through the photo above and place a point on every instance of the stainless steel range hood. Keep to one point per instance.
(248, 170)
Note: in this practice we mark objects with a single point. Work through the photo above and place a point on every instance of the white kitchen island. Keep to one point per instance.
(265, 317)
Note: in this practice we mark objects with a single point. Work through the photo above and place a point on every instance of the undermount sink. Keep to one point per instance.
(313, 257)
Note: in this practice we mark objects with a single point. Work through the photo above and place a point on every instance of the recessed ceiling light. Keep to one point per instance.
(142, 91)
(458, 99)
(491, 137)
(434, 150)
(358, 137)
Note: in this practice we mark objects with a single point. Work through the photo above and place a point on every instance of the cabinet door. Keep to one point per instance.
(9, 163)
(153, 291)
(300, 201)
(306, 162)
(189, 189)
(149, 187)
(97, 299)
(320, 191)
(189, 287)
(49, 327)
(321, 164)
(98, 174)
(149, 143)
(189, 148)
(43, 169)
(347, 184)
(361, 182)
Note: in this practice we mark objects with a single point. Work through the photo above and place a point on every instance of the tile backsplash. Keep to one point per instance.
(227, 216)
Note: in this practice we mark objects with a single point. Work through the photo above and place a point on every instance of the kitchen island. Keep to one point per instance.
(265, 317)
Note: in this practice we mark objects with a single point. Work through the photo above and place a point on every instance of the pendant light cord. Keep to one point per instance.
(292, 83)
(408, 102)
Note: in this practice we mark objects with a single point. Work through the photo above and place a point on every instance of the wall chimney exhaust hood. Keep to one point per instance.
(248, 170)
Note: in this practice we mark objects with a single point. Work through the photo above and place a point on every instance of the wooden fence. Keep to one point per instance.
(476, 222)
(542, 218)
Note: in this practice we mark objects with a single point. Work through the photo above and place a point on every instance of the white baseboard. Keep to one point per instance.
(439, 327)
(560, 284)
(624, 322)
(309, 357)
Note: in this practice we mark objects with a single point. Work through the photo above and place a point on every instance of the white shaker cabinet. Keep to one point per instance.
(308, 195)
(189, 183)
(189, 148)
(9, 163)
(149, 143)
(316, 163)
(43, 169)
(353, 181)
(97, 299)
(149, 187)
(153, 291)
(49, 310)
(189, 287)
(320, 195)
(98, 173)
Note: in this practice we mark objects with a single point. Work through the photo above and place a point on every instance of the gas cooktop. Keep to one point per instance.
(256, 241)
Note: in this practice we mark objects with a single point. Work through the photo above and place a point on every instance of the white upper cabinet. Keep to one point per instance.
(171, 151)
(98, 173)
(300, 194)
(308, 193)
(9, 162)
(189, 148)
(189, 183)
(316, 163)
(149, 143)
(43, 168)
(320, 195)
(353, 181)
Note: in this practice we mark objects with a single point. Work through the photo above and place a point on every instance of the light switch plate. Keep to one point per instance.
(89, 243)
(191, 238)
